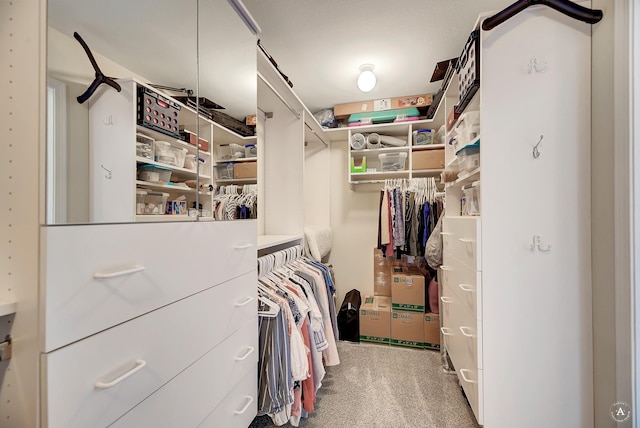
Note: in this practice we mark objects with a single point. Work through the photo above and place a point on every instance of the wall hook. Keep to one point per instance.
(533, 66)
(109, 122)
(108, 175)
(536, 152)
(537, 243)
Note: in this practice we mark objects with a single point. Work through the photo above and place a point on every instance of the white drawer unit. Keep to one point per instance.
(96, 380)
(463, 282)
(461, 236)
(213, 377)
(238, 409)
(98, 276)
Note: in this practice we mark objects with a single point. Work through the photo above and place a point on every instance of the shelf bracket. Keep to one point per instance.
(6, 349)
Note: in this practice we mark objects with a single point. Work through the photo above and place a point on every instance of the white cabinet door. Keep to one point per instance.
(93, 280)
(96, 380)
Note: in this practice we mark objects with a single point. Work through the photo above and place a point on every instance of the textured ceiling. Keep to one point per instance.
(321, 44)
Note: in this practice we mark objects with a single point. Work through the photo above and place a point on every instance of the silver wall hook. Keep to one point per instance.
(108, 175)
(533, 66)
(537, 243)
(536, 152)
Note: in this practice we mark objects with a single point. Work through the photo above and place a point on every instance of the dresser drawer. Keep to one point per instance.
(238, 409)
(97, 276)
(188, 398)
(461, 237)
(96, 380)
(464, 282)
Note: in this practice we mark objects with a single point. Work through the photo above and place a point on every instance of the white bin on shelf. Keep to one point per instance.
(392, 161)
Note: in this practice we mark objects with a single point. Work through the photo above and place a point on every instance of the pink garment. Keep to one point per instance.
(389, 251)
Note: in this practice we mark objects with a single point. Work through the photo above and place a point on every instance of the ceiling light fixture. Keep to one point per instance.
(366, 79)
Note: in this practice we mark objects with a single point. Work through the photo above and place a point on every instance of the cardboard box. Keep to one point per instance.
(422, 100)
(451, 119)
(427, 159)
(191, 138)
(177, 207)
(251, 120)
(407, 289)
(407, 329)
(375, 319)
(245, 170)
(381, 273)
(432, 331)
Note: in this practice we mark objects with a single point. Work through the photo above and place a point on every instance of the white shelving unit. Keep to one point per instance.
(519, 273)
(401, 130)
(288, 135)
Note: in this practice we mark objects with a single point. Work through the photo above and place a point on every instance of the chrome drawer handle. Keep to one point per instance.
(104, 385)
(466, 287)
(250, 349)
(118, 273)
(446, 331)
(466, 330)
(462, 373)
(446, 268)
(242, 246)
(467, 240)
(246, 406)
(446, 299)
(244, 302)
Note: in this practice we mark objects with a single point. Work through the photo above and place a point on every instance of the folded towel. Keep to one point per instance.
(318, 241)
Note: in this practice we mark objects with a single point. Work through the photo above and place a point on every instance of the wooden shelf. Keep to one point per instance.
(163, 218)
(222, 161)
(426, 172)
(467, 178)
(355, 178)
(148, 184)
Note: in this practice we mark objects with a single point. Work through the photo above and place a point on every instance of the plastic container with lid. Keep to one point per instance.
(191, 162)
(470, 201)
(154, 174)
(164, 154)
(392, 161)
(422, 137)
(469, 157)
(155, 202)
(250, 151)
(140, 205)
(224, 171)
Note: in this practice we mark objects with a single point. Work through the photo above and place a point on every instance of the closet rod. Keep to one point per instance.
(291, 109)
(314, 133)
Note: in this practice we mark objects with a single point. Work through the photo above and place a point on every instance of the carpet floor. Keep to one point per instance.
(383, 386)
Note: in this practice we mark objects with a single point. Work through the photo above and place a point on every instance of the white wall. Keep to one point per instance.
(602, 214)
(22, 86)
(354, 217)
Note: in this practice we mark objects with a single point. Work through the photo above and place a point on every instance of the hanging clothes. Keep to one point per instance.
(300, 340)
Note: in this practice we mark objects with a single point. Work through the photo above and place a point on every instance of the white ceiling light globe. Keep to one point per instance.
(366, 80)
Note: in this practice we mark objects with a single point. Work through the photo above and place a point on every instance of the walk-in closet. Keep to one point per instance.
(250, 213)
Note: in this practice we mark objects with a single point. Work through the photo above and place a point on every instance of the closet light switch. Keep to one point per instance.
(5, 349)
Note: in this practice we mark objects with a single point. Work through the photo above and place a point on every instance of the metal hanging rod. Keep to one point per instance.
(277, 94)
(314, 133)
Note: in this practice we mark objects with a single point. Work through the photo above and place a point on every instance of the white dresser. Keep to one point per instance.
(149, 324)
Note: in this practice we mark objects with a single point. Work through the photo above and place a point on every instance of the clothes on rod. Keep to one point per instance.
(297, 341)
(235, 203)
(409, 210)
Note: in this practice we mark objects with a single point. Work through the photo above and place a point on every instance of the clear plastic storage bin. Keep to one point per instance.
(469, 157)
(250, 151)
(155, 202)
(471, 199)
(224, 171)
(423, 137)
(392, 161)
(154, 174)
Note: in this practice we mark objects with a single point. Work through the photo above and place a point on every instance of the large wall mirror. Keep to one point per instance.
(143, 146)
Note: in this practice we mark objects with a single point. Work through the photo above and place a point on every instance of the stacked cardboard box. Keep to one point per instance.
(396, 312)
(375, 316)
